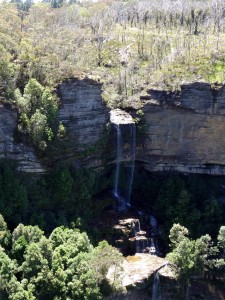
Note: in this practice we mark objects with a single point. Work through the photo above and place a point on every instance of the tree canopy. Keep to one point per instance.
(63, 266)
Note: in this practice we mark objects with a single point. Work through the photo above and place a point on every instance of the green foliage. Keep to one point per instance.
(22, 236)
(38, 108)
(178, 233)
(5, 235)
(191, 257)
(62, 188)
(188, 200)
(103, 257)
(6, 81)
(61, 134)
(64, 266)
(221, 239)
(13, 197)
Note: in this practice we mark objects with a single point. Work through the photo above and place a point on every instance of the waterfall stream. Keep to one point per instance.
(118, 159)
(132, 161)
(124, 202)
(156, 287)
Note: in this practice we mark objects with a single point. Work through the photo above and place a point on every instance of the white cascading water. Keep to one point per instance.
(116, 191)
(156, 287)
(124, 203)
(152, 243)
(118, 160)
(132, 161)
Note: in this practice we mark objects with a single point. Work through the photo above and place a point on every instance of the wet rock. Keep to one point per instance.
(137, 276)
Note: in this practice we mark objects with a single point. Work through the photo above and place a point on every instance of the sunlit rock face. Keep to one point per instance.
(138, 276)
(85, 117)
(184, 131)
(24, 155)
(120, 117)
(82, 110)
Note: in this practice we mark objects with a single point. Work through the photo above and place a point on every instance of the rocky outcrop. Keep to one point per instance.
(139, 268)
(120, 117)
(138, 276)
(82, 111)
(184, 131)
(85, 116)
(143, 274)
(129, 238)
(24, 155)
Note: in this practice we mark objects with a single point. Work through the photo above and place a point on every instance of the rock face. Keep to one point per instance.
(9, 149)
(82, 110)
(139, 268)
(138, 277)
(120, 117)
(84, 115)
(184, 131)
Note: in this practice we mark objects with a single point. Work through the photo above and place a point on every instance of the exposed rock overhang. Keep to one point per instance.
(119, 116)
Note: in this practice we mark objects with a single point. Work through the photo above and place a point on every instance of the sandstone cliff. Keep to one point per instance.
(184, 131)
(23, 154)
(85, 117)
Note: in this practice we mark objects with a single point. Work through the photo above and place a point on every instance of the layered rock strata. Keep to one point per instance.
(184, 131)
(24, 155)
(85, 116)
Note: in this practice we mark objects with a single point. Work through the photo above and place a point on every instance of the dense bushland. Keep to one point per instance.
(64, 265)
(194, 201)
(59, 198)
(127, 45)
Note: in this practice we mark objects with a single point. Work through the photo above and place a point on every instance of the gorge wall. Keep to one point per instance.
(23, 154)
(85, 116)
(184, 131)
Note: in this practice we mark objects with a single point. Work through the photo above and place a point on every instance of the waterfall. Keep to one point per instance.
(116, 191)
(153, 222)
(137, 226)
(156, 287)
(141, 243)
(118, 159)
(138, 247)
(124, 203)
(132, 161)
(152, 243)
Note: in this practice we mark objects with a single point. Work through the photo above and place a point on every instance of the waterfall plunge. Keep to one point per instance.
(132, 161)
(118, 160)
(156, 287)
(124, 202)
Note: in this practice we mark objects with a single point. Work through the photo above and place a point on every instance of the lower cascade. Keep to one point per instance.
(156, 287)
(130, 238)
